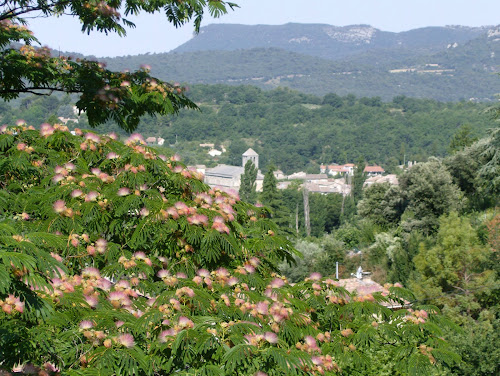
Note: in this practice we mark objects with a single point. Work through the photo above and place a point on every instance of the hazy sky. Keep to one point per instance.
(154, 34)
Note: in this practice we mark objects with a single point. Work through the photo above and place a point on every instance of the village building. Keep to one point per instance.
(229, 177)
(331, 186)
(334, 169)
(65, 121)
(207, 145)
(373, 170)
(201, 168)
(214, 152)
(318, 183)
(153, 141)
(279, 175)
(337, 170)
(301, 175)
(284, 184)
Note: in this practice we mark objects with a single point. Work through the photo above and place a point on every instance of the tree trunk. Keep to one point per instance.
(307, 221)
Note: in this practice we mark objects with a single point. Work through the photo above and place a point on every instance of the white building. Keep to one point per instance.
(227, 176)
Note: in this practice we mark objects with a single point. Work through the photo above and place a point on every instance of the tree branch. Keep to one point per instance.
(31, 90)
(15, 12)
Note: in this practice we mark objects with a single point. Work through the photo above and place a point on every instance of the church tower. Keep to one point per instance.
(250, 155)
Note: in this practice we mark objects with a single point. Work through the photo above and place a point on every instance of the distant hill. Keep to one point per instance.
(442, 63)
(326, 41)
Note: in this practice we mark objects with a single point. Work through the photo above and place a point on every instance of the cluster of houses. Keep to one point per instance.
(348, 170)
(331, 179)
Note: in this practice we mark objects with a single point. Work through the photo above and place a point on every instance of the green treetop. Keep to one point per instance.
(428, 191)
(455, 266)
(358, 179)
(247, 186)
(270, 194)
(272, 198)
(462, 138)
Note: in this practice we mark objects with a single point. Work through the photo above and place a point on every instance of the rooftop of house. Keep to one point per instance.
(391, 179)
(223, 170)
(316, 176)
(374, 169)
(320, 188)
(227, 171)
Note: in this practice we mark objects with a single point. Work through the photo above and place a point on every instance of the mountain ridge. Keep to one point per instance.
(323, 40)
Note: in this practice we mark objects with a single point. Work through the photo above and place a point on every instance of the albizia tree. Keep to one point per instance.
(122, 97)
(115, 260)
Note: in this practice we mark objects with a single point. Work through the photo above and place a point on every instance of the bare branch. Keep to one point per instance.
(20, 10)
(31, 90)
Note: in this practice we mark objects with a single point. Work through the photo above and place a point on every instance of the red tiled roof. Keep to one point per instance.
(373, 169)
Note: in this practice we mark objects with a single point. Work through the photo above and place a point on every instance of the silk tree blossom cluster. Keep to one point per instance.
(12, 305)
(104, 337)
(417, 316)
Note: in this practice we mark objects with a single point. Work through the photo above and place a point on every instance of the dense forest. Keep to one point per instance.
(467, 71)
(292, 130)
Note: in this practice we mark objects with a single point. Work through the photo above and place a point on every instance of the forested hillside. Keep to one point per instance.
(446, 64)
(295, 131)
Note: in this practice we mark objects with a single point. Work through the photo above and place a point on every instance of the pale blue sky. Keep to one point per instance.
(154, 34)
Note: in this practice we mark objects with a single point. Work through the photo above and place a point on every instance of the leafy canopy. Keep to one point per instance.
(104, 95)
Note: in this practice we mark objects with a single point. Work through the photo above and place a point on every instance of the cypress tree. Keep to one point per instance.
(270, 194)
(248, 190)
(272, 198)
(358, 180)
